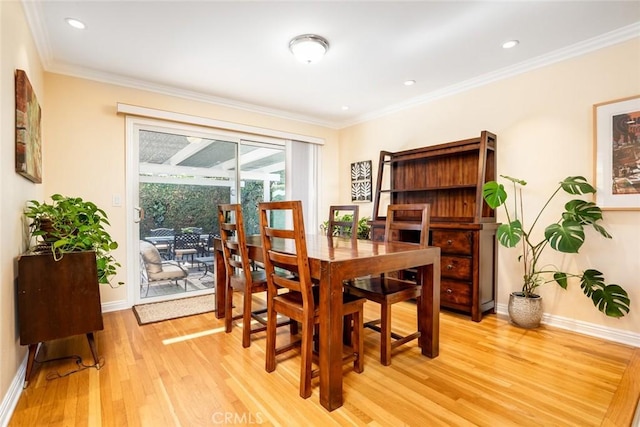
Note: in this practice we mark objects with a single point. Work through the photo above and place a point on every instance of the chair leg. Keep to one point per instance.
(357, 339)
(246, 318)
(419, 319)
(385, 334)
(293, 327)
(228, 309)
(347, 330)
(307, 357)
(270, 351)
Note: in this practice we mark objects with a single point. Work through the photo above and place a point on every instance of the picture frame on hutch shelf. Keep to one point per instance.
(617, 153)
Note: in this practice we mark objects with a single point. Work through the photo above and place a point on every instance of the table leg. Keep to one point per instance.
(221, 280)
(330, 357)
(94, 349)
(33, 348)
(430, 300)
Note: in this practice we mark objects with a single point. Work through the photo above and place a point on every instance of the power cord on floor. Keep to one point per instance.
(81, 366)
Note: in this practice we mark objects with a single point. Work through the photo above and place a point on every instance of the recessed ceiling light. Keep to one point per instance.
(76, 24)
(409, 82)
(345, 107)
(510, 44)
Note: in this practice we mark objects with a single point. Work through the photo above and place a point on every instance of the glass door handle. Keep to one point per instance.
(139, 214)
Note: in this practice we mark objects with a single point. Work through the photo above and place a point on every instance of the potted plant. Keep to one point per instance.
(71, 224)
(363, 226)
(565, 235)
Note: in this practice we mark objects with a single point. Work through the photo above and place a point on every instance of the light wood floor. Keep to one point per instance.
(188, 372)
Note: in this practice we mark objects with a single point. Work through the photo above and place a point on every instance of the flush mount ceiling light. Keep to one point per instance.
(308, 48)
(510, 44)
(75, 23)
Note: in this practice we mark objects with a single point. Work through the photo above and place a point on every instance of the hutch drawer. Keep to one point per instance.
(452, 242)
(455, 267)
(455, 293)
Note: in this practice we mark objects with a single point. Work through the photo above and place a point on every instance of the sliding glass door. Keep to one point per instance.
(182, 174)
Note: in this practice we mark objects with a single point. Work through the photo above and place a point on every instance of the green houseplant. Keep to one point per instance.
(565, 235)
(71, 224)
(363, 231)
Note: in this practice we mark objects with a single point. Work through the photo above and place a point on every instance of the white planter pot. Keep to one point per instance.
(525, 312)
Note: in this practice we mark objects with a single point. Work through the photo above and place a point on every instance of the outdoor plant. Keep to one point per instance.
(565, 235)
(71, 224)
(363, 226)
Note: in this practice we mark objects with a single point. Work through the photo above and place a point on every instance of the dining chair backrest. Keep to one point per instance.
(343, 221)
(286, 249)
(157, 232)
(186, 241)
(408, 223)
(234, 246)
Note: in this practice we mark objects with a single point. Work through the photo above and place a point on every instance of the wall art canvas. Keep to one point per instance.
(361, 181)
(617, 153)
(28, 134)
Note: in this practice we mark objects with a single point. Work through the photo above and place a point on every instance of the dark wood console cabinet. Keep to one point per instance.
(449, 177)
(57, 299)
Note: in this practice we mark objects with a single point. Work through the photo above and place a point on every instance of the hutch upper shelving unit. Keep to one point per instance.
(449, 177)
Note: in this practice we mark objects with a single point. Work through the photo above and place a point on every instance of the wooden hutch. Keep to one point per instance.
(449, 177)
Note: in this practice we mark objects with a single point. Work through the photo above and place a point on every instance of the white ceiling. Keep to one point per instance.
(236, 52)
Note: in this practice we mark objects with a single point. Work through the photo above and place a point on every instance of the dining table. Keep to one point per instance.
(336, 259)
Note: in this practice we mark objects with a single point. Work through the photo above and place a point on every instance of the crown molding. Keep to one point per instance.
(608, 39)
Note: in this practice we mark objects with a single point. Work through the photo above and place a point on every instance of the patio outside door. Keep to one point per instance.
(184, 172)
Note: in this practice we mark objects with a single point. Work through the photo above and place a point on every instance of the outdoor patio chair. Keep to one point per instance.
(154, 269)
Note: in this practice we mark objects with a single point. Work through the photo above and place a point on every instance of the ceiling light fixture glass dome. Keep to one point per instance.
(75, 23)
(308, 48)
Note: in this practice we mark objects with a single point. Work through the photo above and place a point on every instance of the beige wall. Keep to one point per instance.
(543, 121)
(17, 52)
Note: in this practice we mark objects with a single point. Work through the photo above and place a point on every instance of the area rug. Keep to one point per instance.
(166, 310)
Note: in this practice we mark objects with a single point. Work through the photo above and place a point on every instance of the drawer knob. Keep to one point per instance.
(449, 290)
(449, 242)
(449, 267)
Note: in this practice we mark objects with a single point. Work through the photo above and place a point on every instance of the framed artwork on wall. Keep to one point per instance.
(361, 181)
(617, 153)
(28, 134)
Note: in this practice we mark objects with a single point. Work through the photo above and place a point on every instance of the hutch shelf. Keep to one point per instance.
(449, 177)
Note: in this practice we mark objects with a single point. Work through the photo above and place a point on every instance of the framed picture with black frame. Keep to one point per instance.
(361, 181)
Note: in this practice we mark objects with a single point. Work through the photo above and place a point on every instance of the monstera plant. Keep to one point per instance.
(566, 235)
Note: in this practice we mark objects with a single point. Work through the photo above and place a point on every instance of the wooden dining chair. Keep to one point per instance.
(404, 223)
(290, 291)
(339, 224)
(241, 277)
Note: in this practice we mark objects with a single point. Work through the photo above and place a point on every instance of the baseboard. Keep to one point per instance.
(12, 396)
(115, 306)
(585, 328)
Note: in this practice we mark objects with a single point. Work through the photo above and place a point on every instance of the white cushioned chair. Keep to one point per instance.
(154, 269)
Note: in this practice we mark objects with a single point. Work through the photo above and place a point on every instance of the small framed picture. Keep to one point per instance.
(361, 181)
(617, 153)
